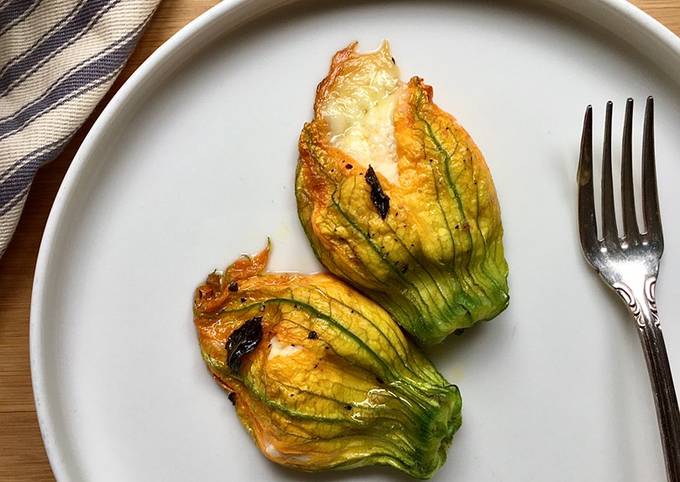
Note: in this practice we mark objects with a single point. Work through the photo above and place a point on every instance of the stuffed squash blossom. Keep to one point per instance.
(321, 376)
(396, 198)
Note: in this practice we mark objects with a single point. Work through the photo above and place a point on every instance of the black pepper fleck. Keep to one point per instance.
(243, 300)
(348, 166)
(312, 335)
(232, 398)
(233, 287)
(348, 407)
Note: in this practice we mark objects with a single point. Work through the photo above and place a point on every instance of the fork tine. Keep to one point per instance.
(586, 203)
(609, 231)
(650, 197)
(630, 226)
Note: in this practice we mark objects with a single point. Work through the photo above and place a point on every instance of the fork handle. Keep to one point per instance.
(643, 308)
(665, 398)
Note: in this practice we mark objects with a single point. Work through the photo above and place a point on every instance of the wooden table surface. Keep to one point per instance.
(22, 456)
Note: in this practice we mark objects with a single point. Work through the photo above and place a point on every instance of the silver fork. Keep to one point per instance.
(629, 263)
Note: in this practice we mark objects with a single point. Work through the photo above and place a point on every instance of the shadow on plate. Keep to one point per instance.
(386, 473)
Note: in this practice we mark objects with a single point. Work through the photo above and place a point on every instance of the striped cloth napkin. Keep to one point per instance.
(57, 59)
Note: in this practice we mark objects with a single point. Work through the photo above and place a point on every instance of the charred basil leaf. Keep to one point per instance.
(380, 200)
(243, 341)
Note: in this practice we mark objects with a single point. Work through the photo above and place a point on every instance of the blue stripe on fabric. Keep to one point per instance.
(15, 12)
(14, 202)
(3, 4)
(87, 87)
(73, 80)
(21, 179)
(23, 176)
(54, 27)
(69, 33)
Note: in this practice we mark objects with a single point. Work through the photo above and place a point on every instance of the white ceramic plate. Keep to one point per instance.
(192, 163)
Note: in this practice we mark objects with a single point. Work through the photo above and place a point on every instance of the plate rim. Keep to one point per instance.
(182, 39)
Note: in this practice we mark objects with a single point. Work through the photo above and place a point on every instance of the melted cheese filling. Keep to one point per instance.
(370, 139)
(281, 349)
(359, 111)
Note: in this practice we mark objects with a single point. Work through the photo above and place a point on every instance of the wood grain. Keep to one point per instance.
(22, 456)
